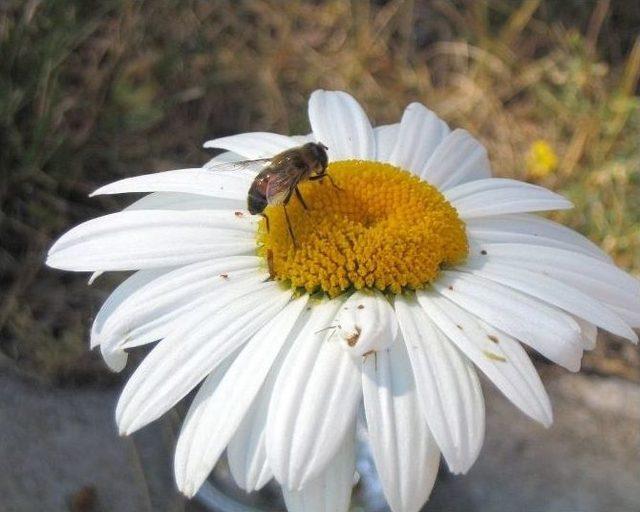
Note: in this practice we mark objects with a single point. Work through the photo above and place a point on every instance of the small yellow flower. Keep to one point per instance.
(541, 159)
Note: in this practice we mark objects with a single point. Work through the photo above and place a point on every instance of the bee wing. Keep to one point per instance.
(251, 167)
(281, 184)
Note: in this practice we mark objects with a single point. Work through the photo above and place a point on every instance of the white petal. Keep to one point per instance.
(180, 361)
(303, 139)
(447, 386)
(338, 121)
(498, 196)
(149, 313)
(314, 402)
(589, 333)
(121, 293)
(227, 156)
(182, 201)
(421, 132)
(331, 491)
(254, 145)
(133, 240)
(155, 328)
(94, 276)
(218, 413)
(366, 322)
(385, 137)
(531, 229)
(551, 291)
(458, 159)
(551, 257)
(116, 361)
(207, 388)
(602, 281)
(229, 185)
(247, 451)
(499, 356)
(551, 332)
(404, 451)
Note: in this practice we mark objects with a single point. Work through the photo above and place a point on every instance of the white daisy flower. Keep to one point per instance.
(416, 270)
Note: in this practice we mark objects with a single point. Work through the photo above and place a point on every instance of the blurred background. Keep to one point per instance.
(92, 91)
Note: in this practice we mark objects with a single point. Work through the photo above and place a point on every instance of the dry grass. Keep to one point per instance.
(90, 91)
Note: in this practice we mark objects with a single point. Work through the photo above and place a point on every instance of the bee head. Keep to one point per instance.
(319, 150)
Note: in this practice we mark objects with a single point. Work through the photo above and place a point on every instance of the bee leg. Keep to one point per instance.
(266, 220)
(325, 175)
(272, 274)
(299, 196)
(286, 215)
(331, 180)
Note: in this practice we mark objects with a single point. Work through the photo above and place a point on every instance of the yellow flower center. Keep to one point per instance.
(382, 228)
